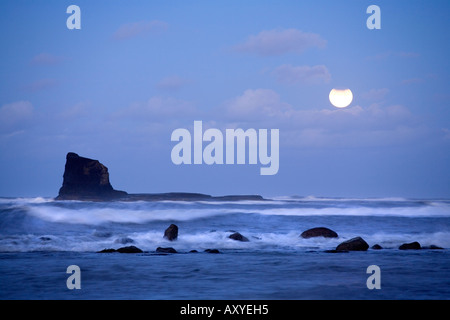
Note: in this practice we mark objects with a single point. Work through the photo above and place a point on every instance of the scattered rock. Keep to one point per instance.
(410, 246)
(212, 251)
(354, 244)
(238, 237)
(129, 249)
(45, 238)
(432, 247)
(319, 232)
(171, 232)
(377, 247)
(110, 250)
(336, 251)
(166, 250)
(193, 251)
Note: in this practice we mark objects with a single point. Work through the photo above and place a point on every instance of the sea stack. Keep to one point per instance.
(86, 179)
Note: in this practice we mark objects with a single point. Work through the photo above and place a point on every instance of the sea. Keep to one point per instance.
(41, 239)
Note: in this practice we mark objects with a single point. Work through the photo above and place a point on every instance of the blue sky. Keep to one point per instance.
(137, 70)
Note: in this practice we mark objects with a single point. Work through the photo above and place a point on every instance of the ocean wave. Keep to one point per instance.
(259, 241)
(93, 213)
(425, 211)
(96, 216)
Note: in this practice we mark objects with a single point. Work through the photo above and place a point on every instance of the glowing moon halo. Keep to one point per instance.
(341, 98)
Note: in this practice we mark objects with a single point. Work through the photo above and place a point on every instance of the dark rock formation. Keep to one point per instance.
(238, 237)
(410, 246)
(110, 250)
(336, 251)
(319, 232)
(354, 244)
(212, 251)
(377, 247)
(129, 249)
(432, 247)
(187, 196)
(171, 232)
(86, 179)
(166, 250)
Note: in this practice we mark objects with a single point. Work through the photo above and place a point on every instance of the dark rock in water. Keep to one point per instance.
(253, 197)
(45, 238)
(319, 232)
(336, 251)
(186, 196)
(86, 179)
(193, 251)
(377, 247)
(354, 244)
(238, 237)
(433, 247)
(129, 249)
(166, 250)
(212, 251)
(171, 232)
(410, 246)
(110, 250)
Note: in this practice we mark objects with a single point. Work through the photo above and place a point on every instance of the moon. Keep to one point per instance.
(341, 98)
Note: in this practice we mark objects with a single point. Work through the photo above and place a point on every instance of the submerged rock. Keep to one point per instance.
(171, 233)
(238, 237)
(212, 251)
(336, 251)
(129, 249)
(166, 250)
(319, 232)
(377, 247)
(354, 244)
(86, 179)
(432, 247)
(410, 246)
(109, 250)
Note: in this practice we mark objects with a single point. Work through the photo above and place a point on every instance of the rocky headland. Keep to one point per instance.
(87, 179)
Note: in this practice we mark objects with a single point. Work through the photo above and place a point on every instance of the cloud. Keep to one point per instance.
(134, 29)
(280, 41)
(45, 59)
(256, 104)
(14, 116)
(354, 126)
(172, 83)
(289, 74)
(157, 108)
